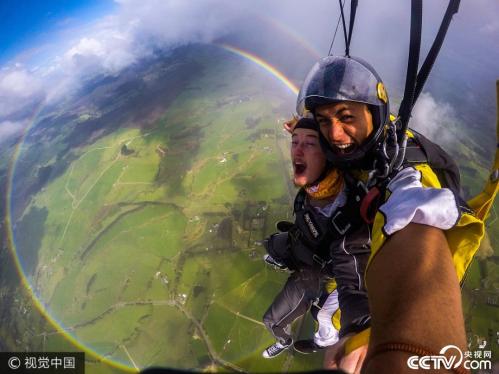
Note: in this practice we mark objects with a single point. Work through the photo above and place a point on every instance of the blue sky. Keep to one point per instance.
(26, 23)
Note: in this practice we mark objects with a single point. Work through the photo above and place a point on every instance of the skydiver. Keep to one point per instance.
(315, 251)
(423, 235)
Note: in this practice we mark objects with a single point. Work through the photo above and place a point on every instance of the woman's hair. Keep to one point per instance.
(290, 124)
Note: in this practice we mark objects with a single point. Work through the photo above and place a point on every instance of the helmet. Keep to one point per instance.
(340, 78)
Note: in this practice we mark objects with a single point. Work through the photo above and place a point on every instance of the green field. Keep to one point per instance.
(148, 242)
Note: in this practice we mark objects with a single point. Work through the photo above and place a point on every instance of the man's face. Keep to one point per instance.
(307, 156)
(345, 125)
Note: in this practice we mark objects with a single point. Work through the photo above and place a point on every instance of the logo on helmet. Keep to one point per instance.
(380, 88)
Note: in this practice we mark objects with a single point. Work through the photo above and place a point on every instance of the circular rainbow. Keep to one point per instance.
(58, 325)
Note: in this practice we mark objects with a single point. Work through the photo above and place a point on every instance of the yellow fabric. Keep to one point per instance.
(428, 177)
(330, 286)
(337, 319)
(330, 186)
(378, 238)
(357, 340)
(463, 239)
(481, 204)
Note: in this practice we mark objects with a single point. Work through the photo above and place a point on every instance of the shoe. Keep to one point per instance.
(275, 349)
(272, 261)
(307, 346)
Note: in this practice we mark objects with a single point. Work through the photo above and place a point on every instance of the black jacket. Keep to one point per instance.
(340, 249)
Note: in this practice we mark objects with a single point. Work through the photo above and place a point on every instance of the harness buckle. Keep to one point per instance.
(319, 260)
(346, 227)
(362, 186)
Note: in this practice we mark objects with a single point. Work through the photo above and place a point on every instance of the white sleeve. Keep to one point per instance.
(410, 202)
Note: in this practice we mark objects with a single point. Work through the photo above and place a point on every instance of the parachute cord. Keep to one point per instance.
(335, 31)
(353, 11)
(423, 73)
(412, 64)
(344, 29)
(415, 79)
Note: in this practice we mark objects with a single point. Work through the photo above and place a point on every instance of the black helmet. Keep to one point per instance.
(340, 78)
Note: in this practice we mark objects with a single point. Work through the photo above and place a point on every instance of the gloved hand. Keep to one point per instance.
(278, 250)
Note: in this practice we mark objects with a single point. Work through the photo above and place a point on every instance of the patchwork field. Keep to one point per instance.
(138, 216)
(148, 242)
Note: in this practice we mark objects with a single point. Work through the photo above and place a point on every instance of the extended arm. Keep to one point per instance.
(414, 297)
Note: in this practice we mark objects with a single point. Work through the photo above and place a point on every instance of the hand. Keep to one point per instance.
(335, 357)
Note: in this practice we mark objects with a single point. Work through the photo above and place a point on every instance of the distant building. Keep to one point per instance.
(493, 300)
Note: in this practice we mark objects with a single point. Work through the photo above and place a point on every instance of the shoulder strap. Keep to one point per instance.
(426, 151)
(351, 214)
(299, 201)
(414, 153)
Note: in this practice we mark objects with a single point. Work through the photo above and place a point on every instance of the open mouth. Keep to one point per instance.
(344, 149)
(299, 168)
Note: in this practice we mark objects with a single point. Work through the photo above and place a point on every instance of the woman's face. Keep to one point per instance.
(307, 156)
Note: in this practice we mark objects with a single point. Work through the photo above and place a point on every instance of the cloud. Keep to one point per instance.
(9, 129)
(20, 90)
(434, 119)
(138, 29)
(110, 44)
(105, 52)
(18, 82)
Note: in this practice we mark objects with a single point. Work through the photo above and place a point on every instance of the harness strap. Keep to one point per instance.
(415, 80)
(344, 25)
(415, 154)
(353, 10)
(344, 218)
(369, 205)
(412, 64)
(299, 202)
(315, 236)
(304, 223)
(452, 9)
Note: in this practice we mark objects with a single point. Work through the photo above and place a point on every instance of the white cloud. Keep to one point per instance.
(138, 28)
(86, 46)
(433, 119)
(8, 129)
(19, 91)
(111, 44)
(19, 83)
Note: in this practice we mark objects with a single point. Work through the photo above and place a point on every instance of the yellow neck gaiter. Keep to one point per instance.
(328, 187)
